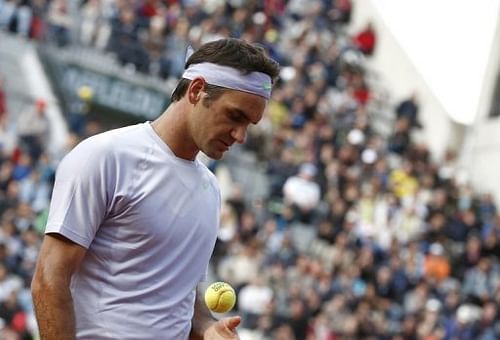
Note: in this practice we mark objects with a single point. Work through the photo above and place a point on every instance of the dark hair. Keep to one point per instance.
(231, 52)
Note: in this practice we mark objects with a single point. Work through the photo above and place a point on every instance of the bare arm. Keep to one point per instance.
(202, 318)
(206, 327)
(57, 261)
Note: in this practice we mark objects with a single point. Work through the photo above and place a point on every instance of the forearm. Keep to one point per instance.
(54, 312)
(57, 261)
(202, 318)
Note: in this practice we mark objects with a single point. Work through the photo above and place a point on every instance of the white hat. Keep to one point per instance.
(308, 169)
(436, 249)
(433, 305)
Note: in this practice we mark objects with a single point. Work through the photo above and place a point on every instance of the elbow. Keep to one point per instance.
(48, 287)
(36, 285)
(46, 281)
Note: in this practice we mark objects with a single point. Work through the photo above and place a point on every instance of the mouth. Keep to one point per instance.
(224, 145)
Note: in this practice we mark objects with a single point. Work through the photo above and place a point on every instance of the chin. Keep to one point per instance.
(218, 156)
(214, 154)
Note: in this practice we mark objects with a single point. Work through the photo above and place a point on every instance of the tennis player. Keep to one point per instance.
(134, 215)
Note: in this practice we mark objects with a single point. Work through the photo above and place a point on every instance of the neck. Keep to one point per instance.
(173, 129)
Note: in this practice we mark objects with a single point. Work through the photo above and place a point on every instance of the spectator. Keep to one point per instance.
(9, 284)
(91, 15)
(38, 22)
(242, 267)
(365, 40)
(154, 43)
(436, 266)
(489, 323)
(302, 192)
(254, 300)
(3, 100)
(408, 109)
(16, 17)
(10, 310)
(178, 40)
(24, 17)
(279, 170)
(7, 14)
(340, 12)
(399, 142)
(59, 22)
(462, 325)
(481, 280)
(8, 138)
(124, 40)
(33, 129)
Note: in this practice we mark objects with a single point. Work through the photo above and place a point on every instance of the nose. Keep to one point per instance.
(239, 134)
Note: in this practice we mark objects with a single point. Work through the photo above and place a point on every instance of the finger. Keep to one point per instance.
(232, 322)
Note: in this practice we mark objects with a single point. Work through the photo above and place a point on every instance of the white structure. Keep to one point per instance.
(448, 52)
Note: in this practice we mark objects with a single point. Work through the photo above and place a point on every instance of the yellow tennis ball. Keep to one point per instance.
(85, 92)
(220, 297)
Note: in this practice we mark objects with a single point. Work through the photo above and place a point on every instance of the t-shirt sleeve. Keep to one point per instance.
(82, 190)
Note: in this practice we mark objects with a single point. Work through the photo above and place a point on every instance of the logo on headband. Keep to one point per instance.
(266, 86)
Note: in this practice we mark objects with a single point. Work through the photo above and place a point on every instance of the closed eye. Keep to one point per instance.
(240, 116)
(237, 117)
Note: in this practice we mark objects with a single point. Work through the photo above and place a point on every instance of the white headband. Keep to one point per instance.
(224, 76)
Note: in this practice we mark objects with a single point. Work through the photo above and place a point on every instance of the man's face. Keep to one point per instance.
(217, 124)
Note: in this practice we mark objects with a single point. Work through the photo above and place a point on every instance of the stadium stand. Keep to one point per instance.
(395, 246)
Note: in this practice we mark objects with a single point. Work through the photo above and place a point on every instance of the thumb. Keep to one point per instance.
(232, 322)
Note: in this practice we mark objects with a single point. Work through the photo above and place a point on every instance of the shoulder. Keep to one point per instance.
(108, 142)
(101, 151)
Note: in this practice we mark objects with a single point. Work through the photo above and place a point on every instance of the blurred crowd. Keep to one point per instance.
(363, 235)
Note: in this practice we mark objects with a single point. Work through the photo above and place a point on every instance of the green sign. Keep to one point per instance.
(114, 93)
(135, 95)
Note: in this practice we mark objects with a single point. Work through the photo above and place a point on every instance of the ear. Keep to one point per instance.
(195, 90)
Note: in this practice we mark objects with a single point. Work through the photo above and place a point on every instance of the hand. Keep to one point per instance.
(224, 329)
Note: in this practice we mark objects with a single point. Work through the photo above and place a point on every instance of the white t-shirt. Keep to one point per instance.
(304, 193)
(149, 221)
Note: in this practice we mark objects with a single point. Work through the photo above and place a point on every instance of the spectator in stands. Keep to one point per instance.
(436, 265)
(7, 13)
(254, 300)
(399, 142)
(481, 281)
(8, 138)
(16, 16)
(488, 326)
(366, 39)
(80, 107)
(340, 11)
(3, 99)
(177, 40)
(33, 129)
(59, 22)
(9, 284)
(38, 23)
(243, 266)
(24, 18)
(91, 17)
(154, 44)
(462, 325)
(11, 311)
(408, 109)
(124, 40)
(279, 170)
(302, 192)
